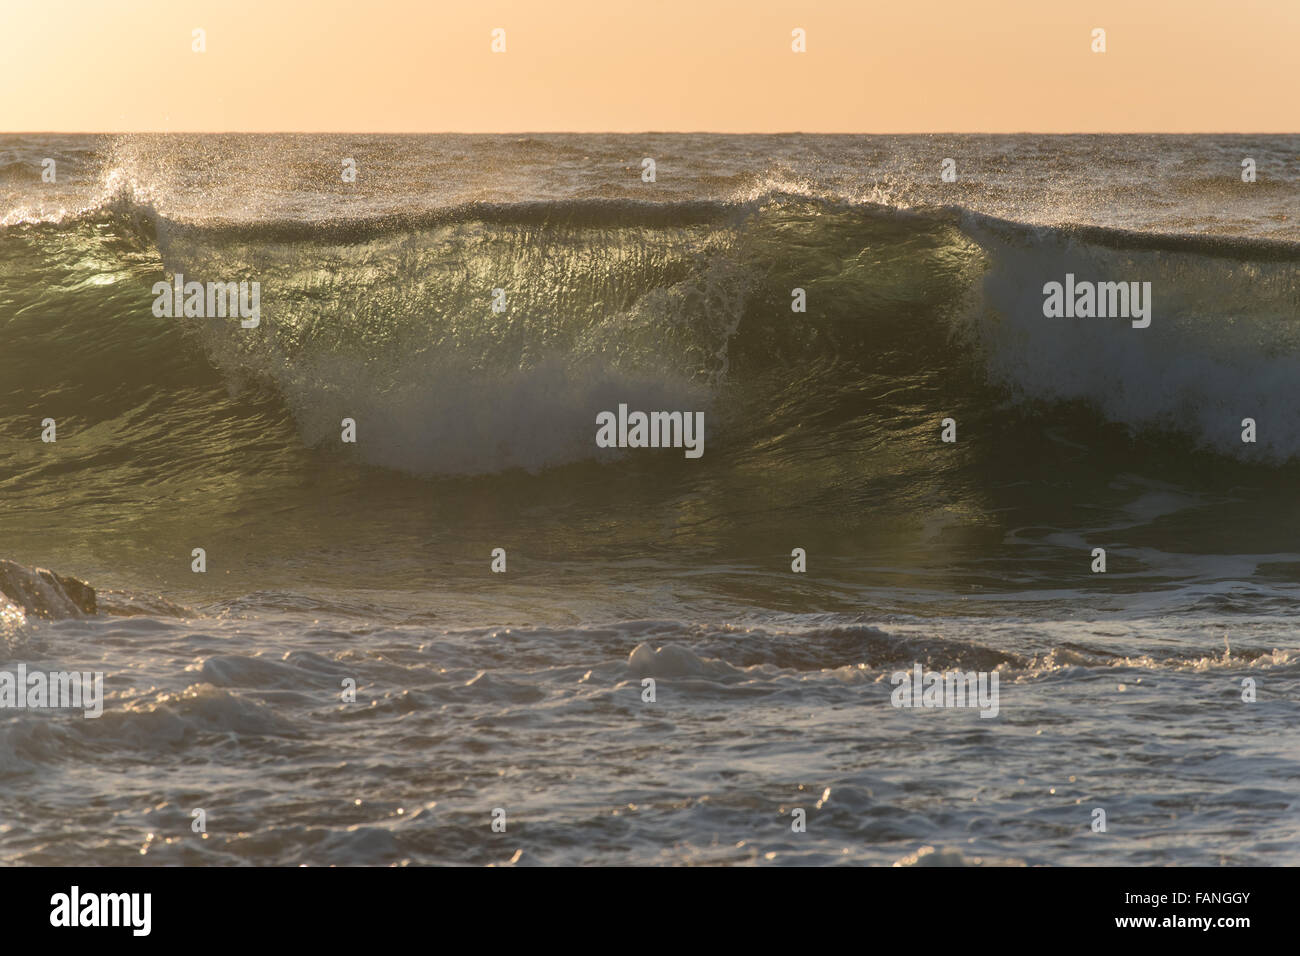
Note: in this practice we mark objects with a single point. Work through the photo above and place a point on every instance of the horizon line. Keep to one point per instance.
(646, 132)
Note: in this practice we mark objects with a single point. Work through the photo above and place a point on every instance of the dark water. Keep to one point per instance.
(371, 561)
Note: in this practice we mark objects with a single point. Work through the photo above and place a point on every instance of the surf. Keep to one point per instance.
(660, 304)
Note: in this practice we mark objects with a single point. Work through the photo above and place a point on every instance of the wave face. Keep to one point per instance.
(914, 315)
(821, 425)
(390, 321)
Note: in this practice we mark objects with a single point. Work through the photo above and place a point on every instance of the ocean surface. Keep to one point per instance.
(476, 691)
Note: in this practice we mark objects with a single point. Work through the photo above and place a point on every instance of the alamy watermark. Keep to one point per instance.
(198, 300)
(651, 430)
(75, 908)
(1102, 300)
(947, 689)
(54, 690)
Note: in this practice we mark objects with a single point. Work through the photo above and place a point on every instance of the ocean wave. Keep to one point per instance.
(389, 320)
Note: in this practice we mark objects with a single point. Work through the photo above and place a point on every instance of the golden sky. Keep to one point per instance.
(871, 66)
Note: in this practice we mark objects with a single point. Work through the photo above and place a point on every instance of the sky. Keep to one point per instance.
(871, 66)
